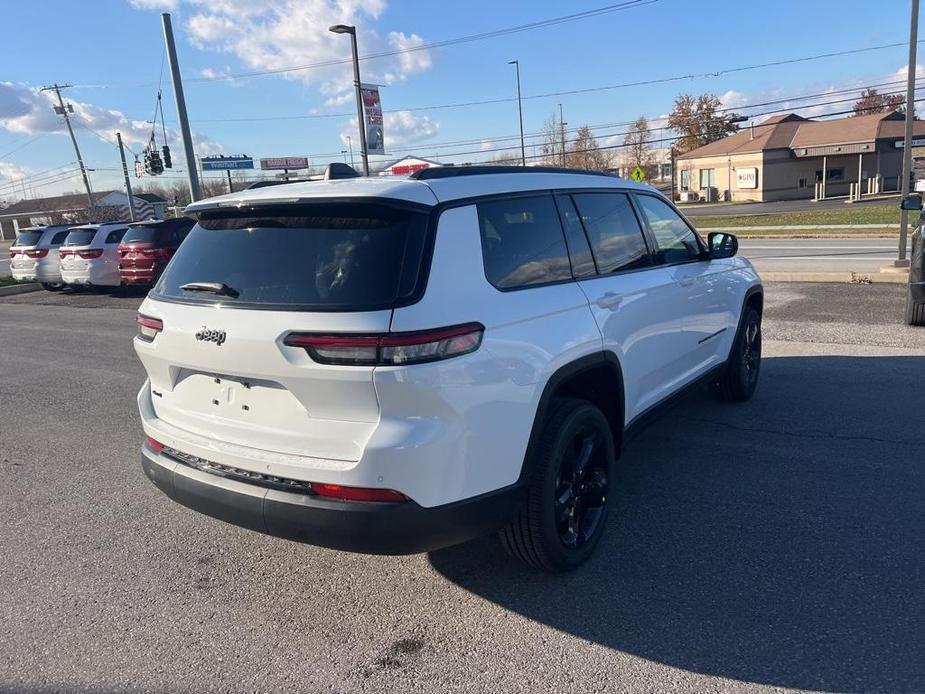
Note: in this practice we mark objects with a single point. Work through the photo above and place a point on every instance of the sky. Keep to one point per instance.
(648, 52)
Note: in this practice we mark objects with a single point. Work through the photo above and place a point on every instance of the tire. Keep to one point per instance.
(556, 529)
(52, 286)
(915, 311)
(740, 377)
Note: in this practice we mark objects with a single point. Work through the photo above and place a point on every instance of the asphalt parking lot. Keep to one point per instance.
(771, 545)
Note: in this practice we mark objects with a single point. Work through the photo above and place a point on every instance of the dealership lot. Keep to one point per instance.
(775, 544)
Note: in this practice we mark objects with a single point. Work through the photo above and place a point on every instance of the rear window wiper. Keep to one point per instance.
(213, 287)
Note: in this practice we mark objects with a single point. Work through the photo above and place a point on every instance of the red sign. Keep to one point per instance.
(284, 163)
(408, 169)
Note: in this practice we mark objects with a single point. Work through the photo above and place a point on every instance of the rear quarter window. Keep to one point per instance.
(28, 238)
(326, 257)
(522, 242)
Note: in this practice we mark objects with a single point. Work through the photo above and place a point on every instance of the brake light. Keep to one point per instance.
(154, 444)
(155, 252)
(90, 254)
(62, 253)
(148, 327)
(37, 253)
(391, 349)
(337, 491)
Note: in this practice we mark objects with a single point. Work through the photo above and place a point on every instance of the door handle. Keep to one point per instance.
(686, 281)
(610, 301)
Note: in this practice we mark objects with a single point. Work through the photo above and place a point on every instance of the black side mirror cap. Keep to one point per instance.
(722, 245)
(911, 202)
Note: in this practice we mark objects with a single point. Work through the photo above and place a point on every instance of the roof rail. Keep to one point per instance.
(436, 172)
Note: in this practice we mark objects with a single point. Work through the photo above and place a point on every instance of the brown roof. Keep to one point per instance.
(75, 201)
(792, 131)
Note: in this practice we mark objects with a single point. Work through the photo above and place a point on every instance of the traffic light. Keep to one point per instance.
(153, 164)
(167, 163)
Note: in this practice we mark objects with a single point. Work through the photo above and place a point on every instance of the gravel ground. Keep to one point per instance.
(766, 546)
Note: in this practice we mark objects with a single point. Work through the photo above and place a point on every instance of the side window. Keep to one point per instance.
(115, 236)
(58, 238)
(578, 249)
(677, 243)
(522, 242)
(613, 230)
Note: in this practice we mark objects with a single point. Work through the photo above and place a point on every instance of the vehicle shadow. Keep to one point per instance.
(778, 542)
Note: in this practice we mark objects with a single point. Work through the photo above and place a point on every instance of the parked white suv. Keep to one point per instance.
(34, 255)
(396, 365)
(90, 254)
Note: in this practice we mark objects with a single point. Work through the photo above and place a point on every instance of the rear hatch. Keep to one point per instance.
(75, 252)
(141, 249)
(23, 254)
(239, 284)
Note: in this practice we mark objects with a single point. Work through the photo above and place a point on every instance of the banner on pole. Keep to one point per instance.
(372, 115)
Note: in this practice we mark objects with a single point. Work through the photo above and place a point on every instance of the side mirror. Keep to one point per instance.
(722, 245)
(911, 202)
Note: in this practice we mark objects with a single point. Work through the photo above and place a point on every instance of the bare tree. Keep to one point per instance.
(699, 121)
(553, 137)
(638, 152)
(586, 153)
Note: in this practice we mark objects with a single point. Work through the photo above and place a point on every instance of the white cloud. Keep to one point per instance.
(401, 128)
(734, 99)
(903, 72)
(23, 110)
(276, 34)
(154, 4)
(12, 172)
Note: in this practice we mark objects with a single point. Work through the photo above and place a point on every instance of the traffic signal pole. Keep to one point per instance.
(195, 190)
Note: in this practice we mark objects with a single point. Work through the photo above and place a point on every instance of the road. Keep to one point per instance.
(756, 547)
(819, 255)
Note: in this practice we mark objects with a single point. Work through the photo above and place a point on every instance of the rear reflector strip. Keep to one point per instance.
(390, 349)
(285, 484)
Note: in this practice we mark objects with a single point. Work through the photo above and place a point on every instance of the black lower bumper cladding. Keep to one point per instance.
(287, 508)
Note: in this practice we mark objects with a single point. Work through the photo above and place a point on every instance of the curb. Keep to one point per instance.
(837, 277)
(14, 289)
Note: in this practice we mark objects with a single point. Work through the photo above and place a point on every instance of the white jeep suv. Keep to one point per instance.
(393, 365)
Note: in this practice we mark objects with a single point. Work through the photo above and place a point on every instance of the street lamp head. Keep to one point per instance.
(342, 29)
(512, 62)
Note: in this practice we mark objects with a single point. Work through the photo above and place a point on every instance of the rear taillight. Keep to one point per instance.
(62, 253)
(391, 349)
(154, 444)
(37, 253)
(90, 254)
(155, 252)
(13, 251)
(148, 327)
(338, 491)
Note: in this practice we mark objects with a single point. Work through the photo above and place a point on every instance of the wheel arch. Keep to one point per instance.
(593, 377)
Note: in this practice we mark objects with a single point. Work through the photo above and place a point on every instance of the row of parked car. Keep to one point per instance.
(109, 254)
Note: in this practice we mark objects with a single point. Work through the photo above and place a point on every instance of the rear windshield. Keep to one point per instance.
(28, 238)
(80, 237)
(140, 235)
(331, 257)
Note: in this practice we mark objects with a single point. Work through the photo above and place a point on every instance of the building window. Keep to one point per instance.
(685, 180)
(707, 178)
(832, 175)
(802, 183)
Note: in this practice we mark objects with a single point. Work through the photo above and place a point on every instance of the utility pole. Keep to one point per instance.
(520, 113)
(350, 147)
(230, 187)
(195, 191)
(63, 110)
(672, 173)
(128, 183)
(902, 261)
(562, 133)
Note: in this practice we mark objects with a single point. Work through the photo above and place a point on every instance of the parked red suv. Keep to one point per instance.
(147, 246)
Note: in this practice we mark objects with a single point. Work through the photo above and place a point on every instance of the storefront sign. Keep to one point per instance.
(747, 178)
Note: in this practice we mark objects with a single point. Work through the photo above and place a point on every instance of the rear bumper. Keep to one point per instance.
(367, 527)
(139, 275)
(92, 275)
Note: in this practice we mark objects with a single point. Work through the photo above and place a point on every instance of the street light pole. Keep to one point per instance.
(562, 132)
(520, 113)
(352, 30)
(350, 147)
(907, 140)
